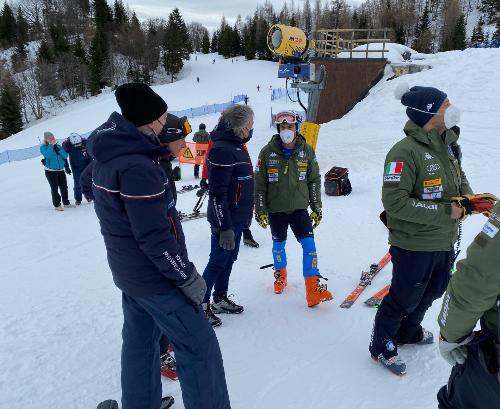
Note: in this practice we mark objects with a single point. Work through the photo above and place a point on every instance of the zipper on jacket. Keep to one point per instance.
(239, 189)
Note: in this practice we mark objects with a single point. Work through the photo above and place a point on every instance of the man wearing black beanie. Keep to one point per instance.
(422, 173)
(161, 289)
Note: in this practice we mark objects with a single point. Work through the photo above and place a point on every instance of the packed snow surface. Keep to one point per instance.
(60, 313)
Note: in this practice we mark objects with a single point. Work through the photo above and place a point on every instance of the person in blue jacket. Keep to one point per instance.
(146, 252)
(54, 159)
(76, 148)
(230, 208)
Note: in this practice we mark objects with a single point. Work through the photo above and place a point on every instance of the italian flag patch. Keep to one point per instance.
(394, 168)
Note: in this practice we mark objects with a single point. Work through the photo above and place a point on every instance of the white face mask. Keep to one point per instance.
(287, 136)
(451, 116)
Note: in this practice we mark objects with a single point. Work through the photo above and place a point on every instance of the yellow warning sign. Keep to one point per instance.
(188, 154)
(194, 153)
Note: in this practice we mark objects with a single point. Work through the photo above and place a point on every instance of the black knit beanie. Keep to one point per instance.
(139, 103)
(422, 103)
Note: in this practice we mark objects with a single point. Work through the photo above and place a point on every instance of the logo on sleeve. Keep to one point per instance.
(394, 168)
(428, 156)
(393, 172)
(490, 229)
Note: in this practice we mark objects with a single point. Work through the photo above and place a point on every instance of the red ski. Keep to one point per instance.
(376, 299)
(168, 366)
(169, 373)
(365, 281)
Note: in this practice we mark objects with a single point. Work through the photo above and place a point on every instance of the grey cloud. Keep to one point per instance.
(206, 12)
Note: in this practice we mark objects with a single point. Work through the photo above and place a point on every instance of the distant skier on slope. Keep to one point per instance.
(422, 173)
(287, 182)
(76, 148)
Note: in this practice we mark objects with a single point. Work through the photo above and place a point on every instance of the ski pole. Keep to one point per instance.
(199, 203)
(266, 266)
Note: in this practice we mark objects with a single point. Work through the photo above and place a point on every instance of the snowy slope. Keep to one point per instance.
(60, 314)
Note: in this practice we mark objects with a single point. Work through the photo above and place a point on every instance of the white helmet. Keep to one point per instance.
(75, 139)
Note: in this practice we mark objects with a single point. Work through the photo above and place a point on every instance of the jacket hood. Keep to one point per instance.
(119, 137)
(428, 137)
(221, 133)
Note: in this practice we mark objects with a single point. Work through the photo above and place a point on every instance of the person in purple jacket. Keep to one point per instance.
(76, 148)
(161, 288)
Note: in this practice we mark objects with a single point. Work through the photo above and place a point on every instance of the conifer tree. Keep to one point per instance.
(97, 58)
(458, 38)
(120, 15)
(102, 14)
(478, 32)
(176, 44)
(8, 26)
(205, 43)
(11, 119)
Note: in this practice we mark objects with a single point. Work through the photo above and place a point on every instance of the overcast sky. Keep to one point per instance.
(206, 12)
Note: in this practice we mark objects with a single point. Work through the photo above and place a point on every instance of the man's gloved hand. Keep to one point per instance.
(67, 169)
(453, 352)
(475, 204)
(176, 174)
(262, 219)
(203, 188)
(316, 217)
(226, 239)
(194, 288)
(201, 191)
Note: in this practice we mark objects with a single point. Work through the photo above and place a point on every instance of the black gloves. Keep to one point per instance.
(67, 169)
(176, 173)
(194, 288)
(203, 188)
(57, 149)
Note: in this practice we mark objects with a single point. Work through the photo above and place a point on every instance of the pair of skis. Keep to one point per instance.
(187, 188)
(365, 280)
(195, 214)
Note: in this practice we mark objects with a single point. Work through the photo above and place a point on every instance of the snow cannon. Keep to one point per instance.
(291, 44)
(294, 47)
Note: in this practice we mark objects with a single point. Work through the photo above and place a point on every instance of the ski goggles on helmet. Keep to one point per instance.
(286, 117)
(175, 128)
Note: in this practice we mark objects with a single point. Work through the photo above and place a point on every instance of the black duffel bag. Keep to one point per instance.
(337, 182)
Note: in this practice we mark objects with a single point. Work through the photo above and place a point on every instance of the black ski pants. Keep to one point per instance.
(57, 181)
(299, 221)
(418, 278)
(471, 385)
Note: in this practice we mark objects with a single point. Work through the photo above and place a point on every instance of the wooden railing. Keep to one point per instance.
(330, 43)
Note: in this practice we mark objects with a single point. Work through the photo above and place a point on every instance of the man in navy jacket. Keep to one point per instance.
(161, 289)
(230, 180)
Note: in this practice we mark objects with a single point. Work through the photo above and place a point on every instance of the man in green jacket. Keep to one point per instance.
(473, 294)
(287, 182)
(202, 137)
(422, 173)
